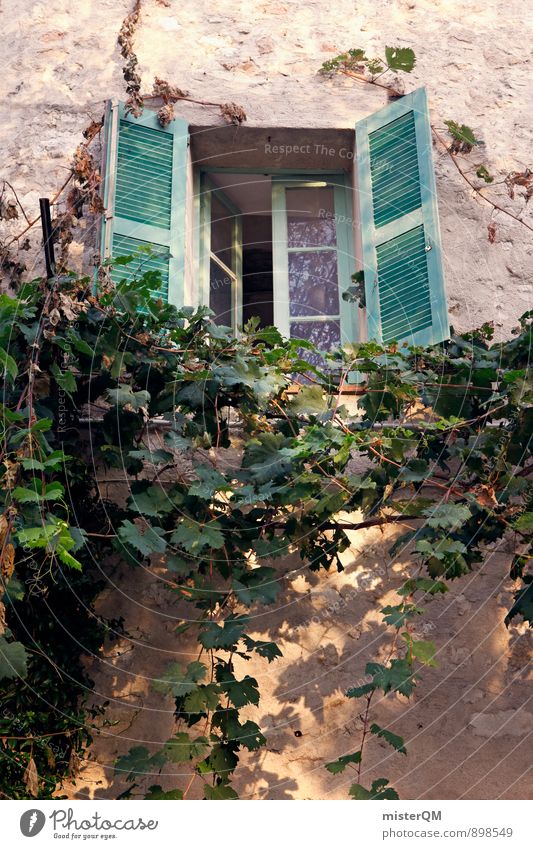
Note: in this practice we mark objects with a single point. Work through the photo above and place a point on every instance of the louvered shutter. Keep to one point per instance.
(144, 197)
(402, 256)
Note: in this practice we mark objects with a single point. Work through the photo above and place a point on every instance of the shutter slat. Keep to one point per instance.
(145, 190)
(144, 175)
(395, 190)
(404, 282)
(157, 260)
(397, 314)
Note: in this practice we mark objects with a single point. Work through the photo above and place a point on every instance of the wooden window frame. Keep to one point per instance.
(207, 190)
(345, 249)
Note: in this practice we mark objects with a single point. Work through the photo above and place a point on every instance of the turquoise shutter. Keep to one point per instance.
(402, 255)
(144, 196)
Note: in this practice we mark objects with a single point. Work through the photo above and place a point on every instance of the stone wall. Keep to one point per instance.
(61, 61)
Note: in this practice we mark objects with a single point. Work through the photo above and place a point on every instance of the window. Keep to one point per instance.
(253, 237)
(278, 248)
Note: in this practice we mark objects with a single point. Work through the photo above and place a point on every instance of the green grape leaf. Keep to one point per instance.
(222, 790)
(414, 471)
(268, 457)
(397, 615)
(310, 400)
(424, 651)
(124, 396)
(358, 692)
(523, 605)
(250, 736)
(398, 676)
(393, 739)
(425, 585)
(194, 537)
(374, 66)
(264, 649)
(483, 174)
(181, 748)
(379, 791)
(214, 636)
(400, 58)
(8, 363)
(257, 585)
(221, 760)
(158, 455)
(462, 133)
(178, 680)
(202, 699)
(152, 502)
(148, 540)
(209, 482)
(449, 516)
(66, 380)
(341, 763)
(25, 495)
(67, 559)
(155, 791)
(138, 761)
(13, 659)
(240, 693)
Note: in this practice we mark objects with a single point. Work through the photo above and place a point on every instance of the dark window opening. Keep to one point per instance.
(257, 277)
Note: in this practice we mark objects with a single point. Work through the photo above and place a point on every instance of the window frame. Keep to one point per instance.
(207, 190)
(349, 320)
(346, 260)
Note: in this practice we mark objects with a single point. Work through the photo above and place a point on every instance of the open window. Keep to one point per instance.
(278, 248)
(284, 219)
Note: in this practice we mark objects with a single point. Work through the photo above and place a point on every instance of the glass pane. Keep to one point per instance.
(222, 232)
(220, 294)
(324, 334)
(310, 217)
(313, 284)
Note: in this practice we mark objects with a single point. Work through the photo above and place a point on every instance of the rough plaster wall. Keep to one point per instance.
(464, 728)
(61, 61)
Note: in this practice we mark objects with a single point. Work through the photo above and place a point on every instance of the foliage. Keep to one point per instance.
(444, 433)
(355, 63)
(356, 60)
(463, 137)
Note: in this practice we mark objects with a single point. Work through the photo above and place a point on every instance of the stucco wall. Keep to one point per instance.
(61, 61)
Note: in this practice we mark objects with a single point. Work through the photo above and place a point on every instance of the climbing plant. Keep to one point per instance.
(460, 139)
(255, 463)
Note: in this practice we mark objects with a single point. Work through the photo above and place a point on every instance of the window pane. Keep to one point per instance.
(313, 284)
(324, 334)
(310, 217)
(220, 294)
(222, 232)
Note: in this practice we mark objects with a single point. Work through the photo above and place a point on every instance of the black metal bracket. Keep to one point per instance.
(46, 222)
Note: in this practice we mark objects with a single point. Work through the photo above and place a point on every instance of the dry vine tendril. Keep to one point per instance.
(162, 90)
(224, 531)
